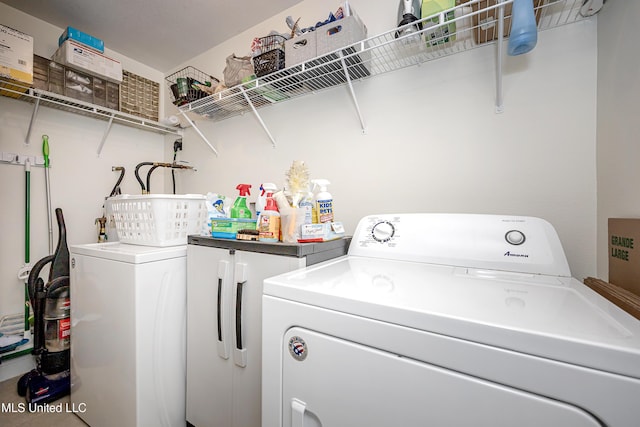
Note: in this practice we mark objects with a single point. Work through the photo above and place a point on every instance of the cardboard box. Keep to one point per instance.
(78, 56)
(86, 39)
(321, 232)
(485, 25)
(16, 61)
(624, 253)
(628, 301)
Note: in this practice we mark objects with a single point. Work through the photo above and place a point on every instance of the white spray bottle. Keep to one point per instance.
(261, 202)
(322, 202)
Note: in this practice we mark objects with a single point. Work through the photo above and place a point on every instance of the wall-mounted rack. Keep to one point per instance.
(475, 23)
(44, 98)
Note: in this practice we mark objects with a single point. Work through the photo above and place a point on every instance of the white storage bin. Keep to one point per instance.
(300, 49)
(158, 219)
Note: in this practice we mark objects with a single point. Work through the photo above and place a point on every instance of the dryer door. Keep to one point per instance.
(333, 383)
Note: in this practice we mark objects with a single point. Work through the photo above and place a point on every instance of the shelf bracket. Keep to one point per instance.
(255, 112)
(353, 94)
(198, 131)
(499, 59)
(33, 119)
(106, 133)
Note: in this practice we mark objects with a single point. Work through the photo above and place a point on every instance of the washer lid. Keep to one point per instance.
(134, 254)
(547, 316)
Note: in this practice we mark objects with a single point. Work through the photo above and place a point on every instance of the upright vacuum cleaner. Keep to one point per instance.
(52, 326)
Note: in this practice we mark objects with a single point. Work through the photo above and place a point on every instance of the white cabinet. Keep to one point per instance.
(224, 323)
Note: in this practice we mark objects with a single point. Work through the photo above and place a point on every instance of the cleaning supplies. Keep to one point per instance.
(306, 204)
(265, 189)
(524, 31)
(323, 202)
(240, 208)
(269, 221)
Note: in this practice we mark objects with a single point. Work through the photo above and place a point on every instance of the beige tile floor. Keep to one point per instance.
(14, 410)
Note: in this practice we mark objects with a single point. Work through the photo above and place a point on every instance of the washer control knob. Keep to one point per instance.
(514, 237)
(383, 231)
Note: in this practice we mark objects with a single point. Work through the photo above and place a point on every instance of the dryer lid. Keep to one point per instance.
(546, 316)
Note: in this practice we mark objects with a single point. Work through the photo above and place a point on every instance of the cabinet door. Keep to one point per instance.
(250, 271)
(209, 362)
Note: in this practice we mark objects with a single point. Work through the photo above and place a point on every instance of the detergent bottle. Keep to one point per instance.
(265, 189)
(307, 205)
(240, 208)
(323, 203)
(269, 221)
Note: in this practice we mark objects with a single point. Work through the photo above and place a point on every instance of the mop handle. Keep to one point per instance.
(45, 153)
(27, 210)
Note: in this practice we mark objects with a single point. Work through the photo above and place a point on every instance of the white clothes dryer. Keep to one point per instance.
(447, 320)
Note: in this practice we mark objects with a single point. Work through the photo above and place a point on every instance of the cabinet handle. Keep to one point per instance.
(240, 351)
(221, 308)
(239, 287)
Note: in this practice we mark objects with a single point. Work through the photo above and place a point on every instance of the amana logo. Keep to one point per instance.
(509, 253)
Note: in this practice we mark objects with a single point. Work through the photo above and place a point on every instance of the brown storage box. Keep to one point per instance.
(628, 301)
(624, 253)
(485, 25)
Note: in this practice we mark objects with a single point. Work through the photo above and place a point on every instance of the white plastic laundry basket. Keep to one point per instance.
(158, 219)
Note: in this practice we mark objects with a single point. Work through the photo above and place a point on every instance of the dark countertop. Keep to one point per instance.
(314, 250)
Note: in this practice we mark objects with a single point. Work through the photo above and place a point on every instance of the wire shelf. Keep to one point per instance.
(381, 54)
(64, 103)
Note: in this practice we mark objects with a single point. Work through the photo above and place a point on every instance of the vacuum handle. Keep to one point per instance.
(60, 263)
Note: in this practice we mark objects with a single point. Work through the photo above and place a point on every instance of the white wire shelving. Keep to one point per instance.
(467, 26)
(44, 98)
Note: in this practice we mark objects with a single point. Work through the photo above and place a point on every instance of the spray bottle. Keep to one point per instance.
(269, 221)
(322, 202)
(265, 189)
(240, 208)
(307, 205)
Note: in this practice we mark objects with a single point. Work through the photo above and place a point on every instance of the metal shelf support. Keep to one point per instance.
(255, 112)
(106, 133)
(198, 131)
(499, 59)
(353, 94)
(32, 121)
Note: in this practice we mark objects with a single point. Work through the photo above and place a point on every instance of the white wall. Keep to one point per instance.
(618, 124)
(433, 141)
(79, 178)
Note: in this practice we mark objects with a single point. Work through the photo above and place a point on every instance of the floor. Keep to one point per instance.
(14, 411)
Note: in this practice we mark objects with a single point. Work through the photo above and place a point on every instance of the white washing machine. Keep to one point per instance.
(446, 320)
(128, 334)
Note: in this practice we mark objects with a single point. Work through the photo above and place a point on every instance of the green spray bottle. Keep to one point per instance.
(240, 208)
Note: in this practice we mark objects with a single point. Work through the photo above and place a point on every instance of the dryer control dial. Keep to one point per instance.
(515, 237)
(383, 231)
